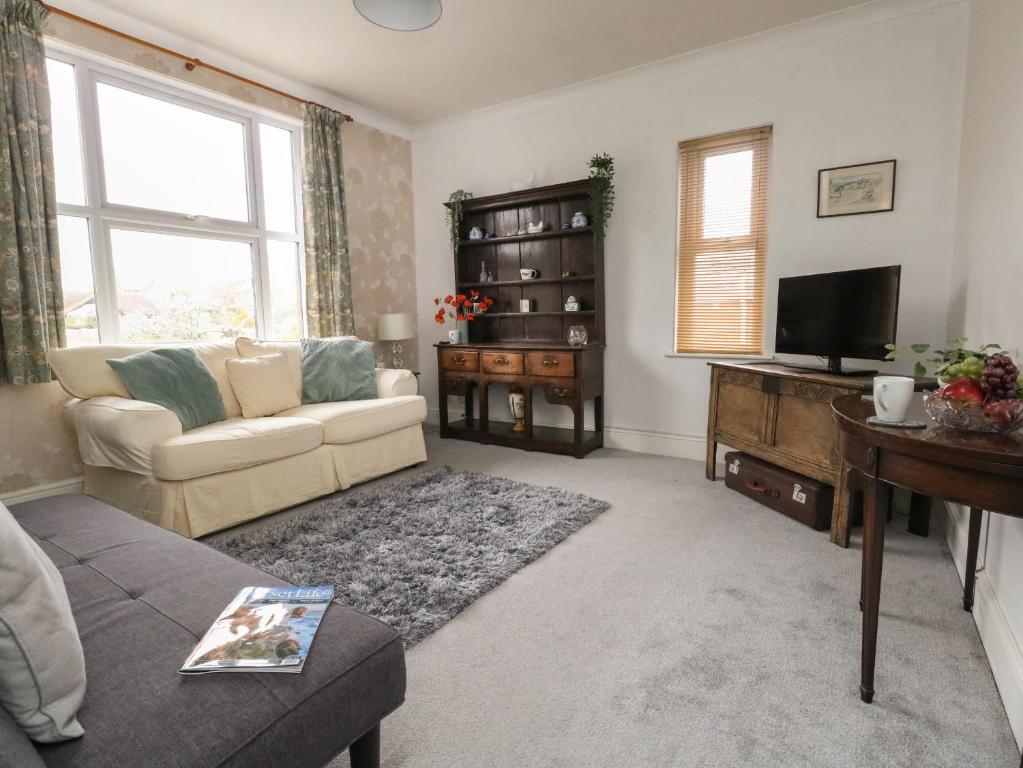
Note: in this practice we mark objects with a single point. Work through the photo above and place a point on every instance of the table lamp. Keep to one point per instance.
(396, 327)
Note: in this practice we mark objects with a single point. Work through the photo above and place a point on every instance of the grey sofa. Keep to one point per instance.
(142, 597)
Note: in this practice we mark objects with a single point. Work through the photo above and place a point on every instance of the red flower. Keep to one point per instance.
(474, 294)
(447, 299)
(461, 318)
(436, 301)
(470, 316)
(488, 301)
(439, 319)
(460, 298)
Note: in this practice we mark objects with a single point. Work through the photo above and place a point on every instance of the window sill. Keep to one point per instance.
(721, 356)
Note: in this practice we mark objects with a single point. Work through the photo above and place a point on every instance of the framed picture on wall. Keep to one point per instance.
(852, 189)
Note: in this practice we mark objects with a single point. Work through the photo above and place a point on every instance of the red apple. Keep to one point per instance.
(965, 390)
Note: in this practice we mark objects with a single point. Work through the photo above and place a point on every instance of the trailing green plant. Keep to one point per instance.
(602, 190)
(455, 216)
(949, 363)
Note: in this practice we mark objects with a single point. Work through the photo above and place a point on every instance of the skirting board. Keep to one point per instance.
(1003, 649)
(692, 447)
(71, 485)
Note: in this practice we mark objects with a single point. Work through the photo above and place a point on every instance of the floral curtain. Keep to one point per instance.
(328, 279)
(31, 302)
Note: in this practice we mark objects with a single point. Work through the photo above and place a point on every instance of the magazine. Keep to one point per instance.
(267, 629)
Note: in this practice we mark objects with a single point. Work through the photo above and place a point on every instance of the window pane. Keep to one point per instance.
(163, 156)
(727, 194)
(76, 281)
(278, 178)
(175, 287)
(285, 286)
(67, 133)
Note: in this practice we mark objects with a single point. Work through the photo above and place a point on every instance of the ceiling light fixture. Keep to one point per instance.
(400, 15)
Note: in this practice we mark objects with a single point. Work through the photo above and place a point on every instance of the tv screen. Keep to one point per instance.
(839, 314)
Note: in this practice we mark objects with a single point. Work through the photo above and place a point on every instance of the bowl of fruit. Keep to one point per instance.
(981, 392)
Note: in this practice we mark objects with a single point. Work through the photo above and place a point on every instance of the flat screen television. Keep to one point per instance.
(838, 314)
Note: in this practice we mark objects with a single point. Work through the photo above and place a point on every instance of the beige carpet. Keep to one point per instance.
(688, 626)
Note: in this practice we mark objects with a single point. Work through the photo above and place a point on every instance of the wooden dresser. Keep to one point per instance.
(784, 417)
(507, 347)
(565, 375)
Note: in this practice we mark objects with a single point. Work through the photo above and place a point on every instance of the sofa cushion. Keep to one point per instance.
(234, 444)
(355, 420)
(16, 751)
(337, 369)
(143, 597)
(119, 433)
(263, 384)
(83, 371)
(42, 670)
(175, 378)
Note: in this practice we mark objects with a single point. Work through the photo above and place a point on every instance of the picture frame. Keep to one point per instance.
(851, 190)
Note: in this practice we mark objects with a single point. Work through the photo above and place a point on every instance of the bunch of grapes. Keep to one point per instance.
(973, 367)
(999, 378)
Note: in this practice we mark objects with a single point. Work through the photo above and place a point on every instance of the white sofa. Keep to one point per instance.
(137, 457)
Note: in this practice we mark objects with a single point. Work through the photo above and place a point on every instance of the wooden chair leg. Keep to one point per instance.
(365, 753)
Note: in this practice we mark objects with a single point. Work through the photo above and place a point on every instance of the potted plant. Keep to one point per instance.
(463, 309)
(602, 190)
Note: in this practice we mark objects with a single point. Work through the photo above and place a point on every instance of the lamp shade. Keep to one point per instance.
(400, 15)
(396, 326)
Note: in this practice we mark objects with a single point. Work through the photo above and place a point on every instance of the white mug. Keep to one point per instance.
(892, 396)
(528, 274)
(455, 336)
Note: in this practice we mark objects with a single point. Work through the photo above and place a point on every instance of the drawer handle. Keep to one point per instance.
(459, 359)
(561, 391)
(548, 363)
(501, 361)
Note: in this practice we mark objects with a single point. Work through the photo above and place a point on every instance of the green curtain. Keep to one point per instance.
(31, 302)
(328, 279)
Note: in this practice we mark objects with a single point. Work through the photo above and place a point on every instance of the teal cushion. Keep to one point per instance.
(176, 379)
(337, 369)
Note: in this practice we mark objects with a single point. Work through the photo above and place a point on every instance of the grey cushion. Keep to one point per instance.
(16, 751)
(142, 597)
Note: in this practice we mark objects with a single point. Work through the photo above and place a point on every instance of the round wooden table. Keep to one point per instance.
(981, 471)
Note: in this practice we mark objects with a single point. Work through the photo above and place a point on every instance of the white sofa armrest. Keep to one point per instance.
(120, 433)
(395, 382)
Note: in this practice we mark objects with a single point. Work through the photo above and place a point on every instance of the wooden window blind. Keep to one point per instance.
(722, 243)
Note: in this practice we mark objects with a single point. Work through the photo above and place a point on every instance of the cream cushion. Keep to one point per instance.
(43, 668)
(234, 444)
(264, 385)
(120, 433)
(354, 420)
(83, 371)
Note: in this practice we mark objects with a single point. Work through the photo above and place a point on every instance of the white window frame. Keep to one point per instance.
(102, 215)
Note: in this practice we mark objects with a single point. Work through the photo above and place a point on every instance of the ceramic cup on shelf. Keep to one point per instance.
(892, 396)
(454, 336)
(528, 274)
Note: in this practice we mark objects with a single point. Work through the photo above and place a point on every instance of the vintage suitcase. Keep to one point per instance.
(801, 498)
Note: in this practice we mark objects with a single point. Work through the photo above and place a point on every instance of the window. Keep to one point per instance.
(178, 216)
(722, 243)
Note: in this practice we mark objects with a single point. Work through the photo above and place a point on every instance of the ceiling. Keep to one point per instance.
(480, 53)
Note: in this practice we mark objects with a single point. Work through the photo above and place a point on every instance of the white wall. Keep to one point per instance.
(878, 82)
(989, 266)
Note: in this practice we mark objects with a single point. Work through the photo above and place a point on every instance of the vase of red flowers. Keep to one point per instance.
(463, 309)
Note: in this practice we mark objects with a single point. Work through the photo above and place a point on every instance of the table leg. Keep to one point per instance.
(712, 458)
(876, 497)
(468, 405)
(840, 521)
(972, 546)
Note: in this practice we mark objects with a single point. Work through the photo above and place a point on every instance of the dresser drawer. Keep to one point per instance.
(550, 364)
(459, 360)
(502, 362)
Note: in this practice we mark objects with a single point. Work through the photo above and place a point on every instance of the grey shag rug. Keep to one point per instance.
(416, 552)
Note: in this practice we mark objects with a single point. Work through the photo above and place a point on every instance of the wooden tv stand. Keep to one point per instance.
(784, 417)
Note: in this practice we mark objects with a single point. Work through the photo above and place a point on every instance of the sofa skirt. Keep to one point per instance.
(202, 505)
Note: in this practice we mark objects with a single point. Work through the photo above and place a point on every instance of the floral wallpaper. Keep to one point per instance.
(38, 447)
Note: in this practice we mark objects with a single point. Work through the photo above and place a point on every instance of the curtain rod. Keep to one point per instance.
(191, 63)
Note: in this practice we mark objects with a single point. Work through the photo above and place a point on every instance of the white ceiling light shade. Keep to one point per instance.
(400, 15)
